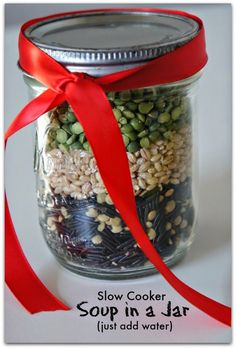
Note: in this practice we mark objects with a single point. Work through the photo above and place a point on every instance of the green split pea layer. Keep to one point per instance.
(144, 116)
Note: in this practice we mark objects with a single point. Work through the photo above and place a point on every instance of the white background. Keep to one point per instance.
(207, 267)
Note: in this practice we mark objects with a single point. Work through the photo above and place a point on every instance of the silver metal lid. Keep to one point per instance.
(111, 38)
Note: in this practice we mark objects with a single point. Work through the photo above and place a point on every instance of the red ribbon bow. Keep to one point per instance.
(86, 95)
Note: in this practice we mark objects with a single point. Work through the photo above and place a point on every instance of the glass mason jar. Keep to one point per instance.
(78, 219)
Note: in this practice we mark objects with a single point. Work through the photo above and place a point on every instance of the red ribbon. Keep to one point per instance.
(86, 95)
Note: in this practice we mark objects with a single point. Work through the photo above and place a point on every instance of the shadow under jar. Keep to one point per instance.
(80, 224)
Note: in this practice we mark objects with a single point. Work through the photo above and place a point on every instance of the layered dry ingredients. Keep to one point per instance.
(80, 223)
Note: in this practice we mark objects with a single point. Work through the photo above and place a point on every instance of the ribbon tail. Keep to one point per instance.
(19, 275)
(209, 306)
(94, 112)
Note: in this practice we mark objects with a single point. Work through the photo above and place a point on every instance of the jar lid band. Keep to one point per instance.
(109, 38)
(86, 96)
(183, 62)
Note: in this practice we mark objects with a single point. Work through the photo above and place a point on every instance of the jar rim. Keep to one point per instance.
(189, 80)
